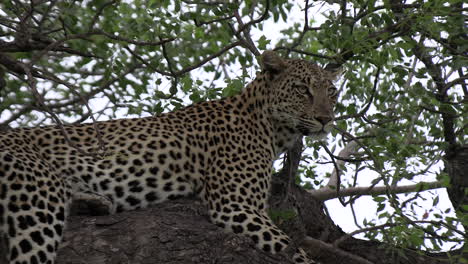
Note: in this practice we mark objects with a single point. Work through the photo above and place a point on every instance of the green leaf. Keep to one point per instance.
(233, 87)
(379, 198)
(263, 42)
(380, 207)
(187, 83)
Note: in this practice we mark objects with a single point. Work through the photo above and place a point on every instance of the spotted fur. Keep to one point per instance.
(220, 150)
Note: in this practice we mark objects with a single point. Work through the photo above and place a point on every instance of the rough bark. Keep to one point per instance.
(176, 232)
(457, 169)
(456, 165)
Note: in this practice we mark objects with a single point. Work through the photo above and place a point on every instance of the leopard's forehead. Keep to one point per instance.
(307, 71)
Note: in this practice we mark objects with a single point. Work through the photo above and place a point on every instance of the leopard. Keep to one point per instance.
(221, 151)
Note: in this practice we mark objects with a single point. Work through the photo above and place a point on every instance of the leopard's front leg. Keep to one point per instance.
(242, 219)
(237, 201)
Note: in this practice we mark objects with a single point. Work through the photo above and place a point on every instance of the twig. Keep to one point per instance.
(54, 45)
(209, 58)
(92, 24)
(202, 23)
(336, 177)
(298, 41)
(364, 110)
(247, 40)
(346, 152)
(340, 240)
(138, 57)
(460, 80)
(245, 29)
(32, 85)
(74, 90)
(255, 21)
(305, 53)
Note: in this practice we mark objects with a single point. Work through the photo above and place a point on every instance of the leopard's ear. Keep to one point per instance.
(335, 71)
(272, 63)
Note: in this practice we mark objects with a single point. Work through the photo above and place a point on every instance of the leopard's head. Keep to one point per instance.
(303, 95)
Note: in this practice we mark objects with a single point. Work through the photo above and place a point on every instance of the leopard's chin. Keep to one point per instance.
(321, 135)
(316, 135)
(315, 132)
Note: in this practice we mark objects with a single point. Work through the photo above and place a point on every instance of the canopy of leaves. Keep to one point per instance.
(403, 100)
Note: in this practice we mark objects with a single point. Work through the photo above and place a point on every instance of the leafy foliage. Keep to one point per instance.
(403, 96)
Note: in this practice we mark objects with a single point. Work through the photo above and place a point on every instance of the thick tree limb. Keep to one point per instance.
(457, 168)
(179, 232)
(176, 232)
(315, 243)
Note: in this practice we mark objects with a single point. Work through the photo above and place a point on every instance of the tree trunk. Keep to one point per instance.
(457, 169)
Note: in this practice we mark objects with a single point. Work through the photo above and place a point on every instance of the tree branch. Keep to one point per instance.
(326, 193)
(346, 152)
(209, 58)
(314, 244)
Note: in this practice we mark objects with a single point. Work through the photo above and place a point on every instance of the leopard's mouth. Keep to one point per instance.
(315, 129)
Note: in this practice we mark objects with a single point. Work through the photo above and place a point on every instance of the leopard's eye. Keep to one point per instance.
(301, 88)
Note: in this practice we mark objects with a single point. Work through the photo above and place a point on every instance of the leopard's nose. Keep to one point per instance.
(324, 119)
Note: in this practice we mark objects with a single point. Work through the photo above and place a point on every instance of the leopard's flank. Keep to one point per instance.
(220, 150)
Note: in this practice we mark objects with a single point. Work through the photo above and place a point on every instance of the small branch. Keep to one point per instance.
(460, 80)
(371, 99)
(168, 60)
(378, 166)
(389, 225)
(139, 43)
(208, 3)
(174, 73)
(351, 205)
(255, 21)
(346, 152)
(326, 193)
(246, 41)
(448, 114)
(139, 58)
(336, 170)
(202, 23)
(175, 79)
(46, 15)
(209, 58)
(306, 28)
(99, 13)
(13, 65)
(362, 230)
(56, 44)
(26, 109)
(32, 84)
(463, 85)
(377, 8)
(305, 53)
(75, 91)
